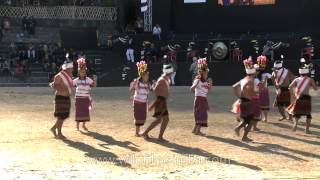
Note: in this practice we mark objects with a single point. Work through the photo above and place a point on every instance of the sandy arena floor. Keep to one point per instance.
(110, 150)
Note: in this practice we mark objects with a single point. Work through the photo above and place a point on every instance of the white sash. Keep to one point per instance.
(243, 83)
(281, 76)
(301, 86)
(66, 80)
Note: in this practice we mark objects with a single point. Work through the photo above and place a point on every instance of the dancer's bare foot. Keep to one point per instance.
(85, 128)
(60, 136)
(237, 131)
(265, 120)
(283, 118)
(256, 129)
(137, 135)
(161, 139)
(246, 139)
(145, 136)
(53, 130)
(294, 129)
(200, 134)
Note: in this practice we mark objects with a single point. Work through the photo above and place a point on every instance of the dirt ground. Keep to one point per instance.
(111, 151)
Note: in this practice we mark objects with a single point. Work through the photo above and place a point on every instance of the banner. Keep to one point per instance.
(195, 1)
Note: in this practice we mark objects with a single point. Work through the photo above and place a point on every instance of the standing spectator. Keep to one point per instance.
(154, 52)
(109, 41)
(32, 26)
(194, 68)
(173, 76)
(31, 53)
(192, 51)
(130, 51)
(139, 25)
(25, 24)
(157, 32)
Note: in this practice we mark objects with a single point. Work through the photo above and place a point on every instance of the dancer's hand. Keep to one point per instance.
(210, 81)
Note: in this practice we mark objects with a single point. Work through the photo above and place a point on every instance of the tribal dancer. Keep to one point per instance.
(264, 76)
(282, 78)
(83, 86)
(139, 89)
(302, 104)
(201, 86)
(62, 84)
(256, 100)
(161, 114)
(245, 91)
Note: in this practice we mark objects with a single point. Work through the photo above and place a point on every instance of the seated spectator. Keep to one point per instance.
(18, 70)
(6, 68)
(157, 32)
(6, 25)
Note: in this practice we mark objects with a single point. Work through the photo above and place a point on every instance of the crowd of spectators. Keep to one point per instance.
(48, 57)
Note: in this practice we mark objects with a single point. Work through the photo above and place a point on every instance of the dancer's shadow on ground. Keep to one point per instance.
(187, 151)
(111, 141)
(301, 127)
(267, 148)
(97, 154)
(291, 138)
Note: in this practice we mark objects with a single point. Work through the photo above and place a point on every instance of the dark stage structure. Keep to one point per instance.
(293, 22)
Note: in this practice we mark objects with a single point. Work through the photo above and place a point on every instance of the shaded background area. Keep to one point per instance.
(285, 15)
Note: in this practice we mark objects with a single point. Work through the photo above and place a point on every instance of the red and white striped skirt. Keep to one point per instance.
(200, 109)
(82, 109)
(264, 99)
(140, 113)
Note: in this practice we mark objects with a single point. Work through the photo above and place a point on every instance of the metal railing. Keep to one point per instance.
(61, 12)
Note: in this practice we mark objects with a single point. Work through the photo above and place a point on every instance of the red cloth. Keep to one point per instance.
(200, 109)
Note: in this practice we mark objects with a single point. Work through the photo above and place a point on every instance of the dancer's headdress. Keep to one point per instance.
(142, 67)
(67, 65)
(167, 69)
(248, 64)
(278, 64)
(202, 64)
(262, 61)
(304, 70)
(82, 66)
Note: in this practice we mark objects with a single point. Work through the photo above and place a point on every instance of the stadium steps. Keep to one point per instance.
(42, 35)
(39, 74)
